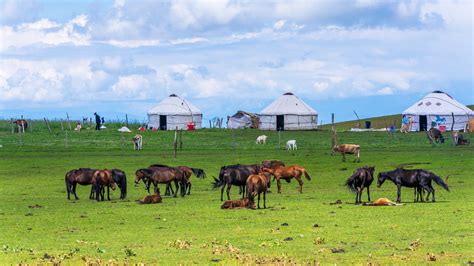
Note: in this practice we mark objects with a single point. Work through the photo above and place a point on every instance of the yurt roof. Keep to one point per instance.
(174, 105)
(438, 103)
(290, 104)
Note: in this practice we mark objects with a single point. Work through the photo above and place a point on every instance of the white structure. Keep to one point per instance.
(243, 120)
(173, 112)
(437, 109)
(288, 112)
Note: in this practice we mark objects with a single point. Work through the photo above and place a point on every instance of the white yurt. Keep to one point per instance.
(436, 110)
(288, 112)
(173, 112)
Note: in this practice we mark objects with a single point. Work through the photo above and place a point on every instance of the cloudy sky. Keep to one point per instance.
(117, 57)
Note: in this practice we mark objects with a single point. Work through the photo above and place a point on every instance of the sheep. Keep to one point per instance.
(291, 145)
(261, 139)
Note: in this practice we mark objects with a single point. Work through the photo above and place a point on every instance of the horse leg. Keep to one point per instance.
(279, 185)
(399, 189)
(74, 190)
(176, 185)
(108, 193)
(368, 193)
(91, 195)
(432, 192)
(298, 178)
(189, 188)
(222, 192)
(264, 199)
(228, 191)
(258, 204)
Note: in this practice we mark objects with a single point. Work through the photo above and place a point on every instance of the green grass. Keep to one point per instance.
(72, 231)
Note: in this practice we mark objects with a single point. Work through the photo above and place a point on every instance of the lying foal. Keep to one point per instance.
(234, 204)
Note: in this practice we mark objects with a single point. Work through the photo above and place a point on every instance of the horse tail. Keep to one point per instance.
(199, 172)
(350, 183)
(306, 174)
(97, 187)
(217, 183)
(439, 181)
(68, 184)
(123, 186)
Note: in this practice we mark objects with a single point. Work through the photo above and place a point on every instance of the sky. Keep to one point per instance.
(123, 57)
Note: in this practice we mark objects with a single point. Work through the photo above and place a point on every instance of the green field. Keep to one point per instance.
(39, 223)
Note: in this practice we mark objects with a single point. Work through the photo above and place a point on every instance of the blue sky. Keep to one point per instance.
(117, 57)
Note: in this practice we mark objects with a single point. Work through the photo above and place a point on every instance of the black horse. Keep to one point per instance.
(417, 178)
(234, 175)
(362, 178)
(120, 179)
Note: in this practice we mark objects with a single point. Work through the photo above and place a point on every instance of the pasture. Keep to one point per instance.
(39, 223)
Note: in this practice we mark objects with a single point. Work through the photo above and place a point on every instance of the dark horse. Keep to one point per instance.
(187, 173)
(81, 176)
(417, 178)
(360, 179)
(121, 180)
(234, 175)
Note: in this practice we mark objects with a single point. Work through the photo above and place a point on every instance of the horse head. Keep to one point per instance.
(380, 179)
(141, 174)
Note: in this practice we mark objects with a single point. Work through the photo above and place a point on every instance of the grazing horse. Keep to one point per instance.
(348, 149)
(287, 173)
(360, 179)
(102, 179)
(81, 176)
(234, 175)
(417, 178)
(240, 203)
(121, 180)
(187, 172)
(257, 184)
(435, 135)
(272, 163)
(22, 124)
(160, 175)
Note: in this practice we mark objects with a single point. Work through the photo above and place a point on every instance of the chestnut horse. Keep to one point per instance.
(187, 173)
(102, 179)
(287, 173)
(160, 175)
(272, 163)
(240, 203)
(257, 184)
(81, 176)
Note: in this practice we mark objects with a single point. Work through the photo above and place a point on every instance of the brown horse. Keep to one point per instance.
(187, 172)
(287, 173)
(22, 124)
(240, 203)
(160, 175)
(102, 179)
(272, 163)
(81, 176)
(150, 199)
(257, 184)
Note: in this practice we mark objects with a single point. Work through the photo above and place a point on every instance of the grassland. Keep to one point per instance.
(39, 224)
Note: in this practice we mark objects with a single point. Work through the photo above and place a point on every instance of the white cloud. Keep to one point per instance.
(279, 24)
(385, 91)
(320, 87)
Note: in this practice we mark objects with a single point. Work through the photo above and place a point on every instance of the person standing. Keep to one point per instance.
(97, 121)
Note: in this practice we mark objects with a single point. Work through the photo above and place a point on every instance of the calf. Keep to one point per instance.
(291, 145)
(261, 139)
(435, 135)
(349, 149)
(233, 204)
(137, 142)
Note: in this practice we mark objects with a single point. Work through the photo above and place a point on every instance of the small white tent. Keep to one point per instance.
(288, 112)
(173, 112)
(436, 110)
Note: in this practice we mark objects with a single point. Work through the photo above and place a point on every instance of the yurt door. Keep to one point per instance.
(280, 122)
(162, 122)
(423, 123)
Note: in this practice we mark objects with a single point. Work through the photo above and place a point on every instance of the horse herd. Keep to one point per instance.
(252, 180)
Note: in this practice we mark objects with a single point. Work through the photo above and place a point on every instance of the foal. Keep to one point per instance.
(102, 179)
(257, 184)
(287, 173)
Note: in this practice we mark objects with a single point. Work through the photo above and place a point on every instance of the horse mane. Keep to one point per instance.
(159, 165)
(199, 172)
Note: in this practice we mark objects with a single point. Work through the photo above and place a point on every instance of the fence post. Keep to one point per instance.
(180, 139)
(62, 127)
(11, 123)
(175, 143)
(68, 121)
(47, 124)
(126, 119)
(333, 134)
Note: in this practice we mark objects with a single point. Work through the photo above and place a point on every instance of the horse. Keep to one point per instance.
(412, 178)
(234, 175)
(240, 203)
(187, 173)
(160, 175)
(272, 163)
(257, 184)
(349, 149)
(137, 142)
(81, 176)
(360, 179)
(435, 135)
(120, 178)
(22, 124)
(150, 199)
(287, 173)
(102, 179)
